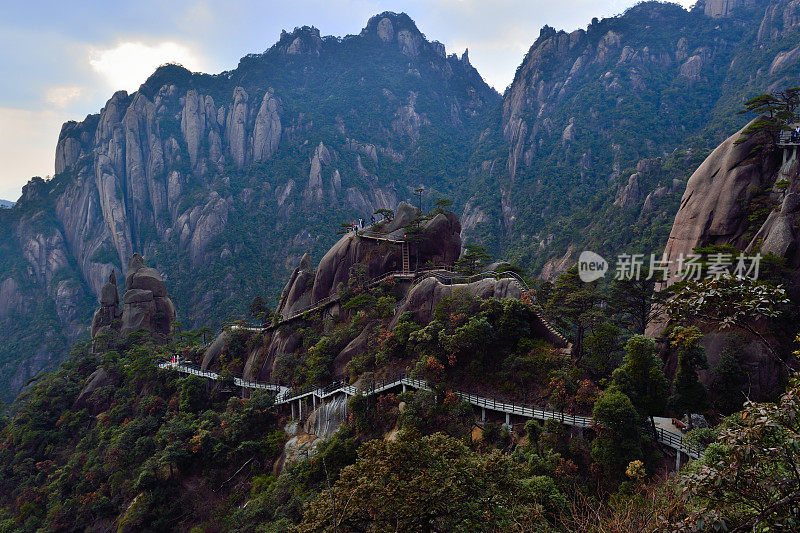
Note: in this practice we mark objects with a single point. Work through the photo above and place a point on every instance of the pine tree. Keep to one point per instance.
(641, 377)
(689, 395)
(574, 305)
(473, 260)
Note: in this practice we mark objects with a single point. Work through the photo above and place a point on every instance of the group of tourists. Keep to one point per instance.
(359, 225)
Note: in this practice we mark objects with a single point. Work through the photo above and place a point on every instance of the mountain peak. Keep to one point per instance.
(305, 40)
(545, 33)
(389, 27)
(389, 21)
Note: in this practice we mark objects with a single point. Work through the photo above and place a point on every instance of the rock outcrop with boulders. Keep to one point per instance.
(423, 298)
(378, 250)
(145, 304)
(372, 253)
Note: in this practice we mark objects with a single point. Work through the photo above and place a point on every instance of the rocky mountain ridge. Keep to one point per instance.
(317, 297)
(225, 181)
(588, 108)
(189, 167)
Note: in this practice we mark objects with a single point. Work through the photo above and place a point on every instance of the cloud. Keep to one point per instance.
(61, 96)
(27, 146)
(128, 64)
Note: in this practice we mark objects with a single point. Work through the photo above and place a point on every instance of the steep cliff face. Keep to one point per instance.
(723, 8)
(226, 180)
(752, 203)
(714, 207)
(586, 108)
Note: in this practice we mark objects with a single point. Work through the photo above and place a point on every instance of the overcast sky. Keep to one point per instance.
(62, 60)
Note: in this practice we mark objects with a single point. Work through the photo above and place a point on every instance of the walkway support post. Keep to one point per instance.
(292, 411)
(299, 409)
(508, 422)
(483, 414)
(677, 460)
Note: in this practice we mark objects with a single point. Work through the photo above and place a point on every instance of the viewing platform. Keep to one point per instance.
(789, 140)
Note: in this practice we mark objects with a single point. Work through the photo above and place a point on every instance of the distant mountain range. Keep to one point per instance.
(226, 180)
(6, 204)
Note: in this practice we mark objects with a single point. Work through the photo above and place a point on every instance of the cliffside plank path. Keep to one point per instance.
(402, 383)
(296, 398)
(448, 277)
(443, 274)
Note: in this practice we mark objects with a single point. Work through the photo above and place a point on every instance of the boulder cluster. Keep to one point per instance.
(378, 250)
(145, 304)
(372, 253)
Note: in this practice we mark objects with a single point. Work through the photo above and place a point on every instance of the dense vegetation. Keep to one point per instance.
(109, 440)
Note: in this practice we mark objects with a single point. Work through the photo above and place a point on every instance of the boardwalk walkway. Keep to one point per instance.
(449, 276)
(285, 395)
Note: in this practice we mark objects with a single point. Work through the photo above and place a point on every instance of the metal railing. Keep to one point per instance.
(372, 387)
(788, 138)
(450, 276)
(239, 382)
(679, 443)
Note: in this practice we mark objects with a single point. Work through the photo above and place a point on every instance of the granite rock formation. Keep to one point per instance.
(716, 209)
(244, 171)
(109, 311)
(573, 98)
(723, 8)
(713, 208)
(145, 304)
(378, 251)
(191, 167)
